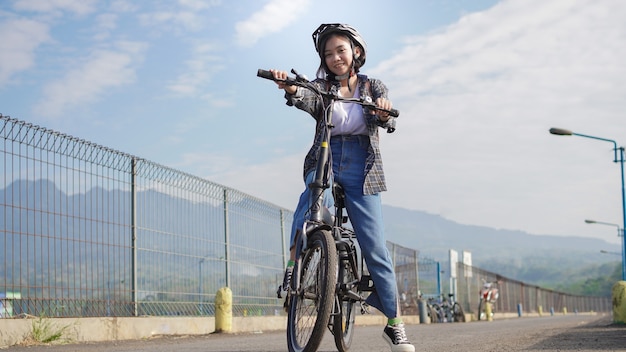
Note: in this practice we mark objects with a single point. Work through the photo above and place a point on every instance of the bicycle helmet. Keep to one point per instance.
(322, 33)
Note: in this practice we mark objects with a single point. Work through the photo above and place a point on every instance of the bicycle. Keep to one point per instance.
(329, 276)
(432, 307)
(448, 310)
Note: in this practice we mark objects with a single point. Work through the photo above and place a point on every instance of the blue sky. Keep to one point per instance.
(478, 84)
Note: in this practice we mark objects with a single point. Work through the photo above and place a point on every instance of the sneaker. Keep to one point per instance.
(396, 337)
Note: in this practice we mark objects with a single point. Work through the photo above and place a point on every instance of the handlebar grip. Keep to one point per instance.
(265, 74)
(268, 75)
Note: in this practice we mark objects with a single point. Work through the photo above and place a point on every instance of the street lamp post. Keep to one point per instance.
(620, 233)
(564, 132)
(607, 252)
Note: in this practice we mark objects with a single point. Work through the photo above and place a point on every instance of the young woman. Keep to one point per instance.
(357, 163)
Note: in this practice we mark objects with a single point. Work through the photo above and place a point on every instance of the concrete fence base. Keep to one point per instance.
(16, 331)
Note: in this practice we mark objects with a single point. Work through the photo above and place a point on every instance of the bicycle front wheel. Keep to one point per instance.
(458, 313)
(481, 310)
(343, 320)
(311, 304)
(432, 314)
(438, 313)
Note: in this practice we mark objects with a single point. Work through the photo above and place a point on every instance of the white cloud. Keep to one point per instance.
(101, 71)
(184, 19)
(199, 70)
(124, 6)
(273, 17)
(477, 99)
(105, 24)
(189, 15)
(279, 182)
(78, 7)
(199, 4)
(20, 39)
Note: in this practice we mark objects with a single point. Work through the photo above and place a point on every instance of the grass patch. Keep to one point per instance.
(45, 331)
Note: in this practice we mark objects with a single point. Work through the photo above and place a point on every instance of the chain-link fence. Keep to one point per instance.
(517, 297)
(89, 231)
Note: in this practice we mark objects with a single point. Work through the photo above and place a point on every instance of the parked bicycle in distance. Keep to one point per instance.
(445, 310)
(329, 277)
(452, 310)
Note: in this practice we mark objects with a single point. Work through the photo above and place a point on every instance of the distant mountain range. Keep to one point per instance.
(506, 252)
(492, 249)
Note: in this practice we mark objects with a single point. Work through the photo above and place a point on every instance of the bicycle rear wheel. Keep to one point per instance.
(458, 313)
(438, 313)
(432, 314)
(481, 310)
(311, 304)
(343, 320)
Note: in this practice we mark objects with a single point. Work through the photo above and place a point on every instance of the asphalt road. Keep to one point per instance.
(582, 333)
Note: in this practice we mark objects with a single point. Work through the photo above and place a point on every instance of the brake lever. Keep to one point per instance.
(299, 77)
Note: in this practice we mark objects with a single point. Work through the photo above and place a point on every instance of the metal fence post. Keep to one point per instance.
(283, 235)
(133, 232)
(226, 239)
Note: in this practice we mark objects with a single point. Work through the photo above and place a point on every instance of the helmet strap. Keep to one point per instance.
(347, 76)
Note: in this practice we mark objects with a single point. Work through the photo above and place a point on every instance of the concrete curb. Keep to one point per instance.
(16, 331)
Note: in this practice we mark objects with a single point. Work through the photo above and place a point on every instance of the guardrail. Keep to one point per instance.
(88, 231)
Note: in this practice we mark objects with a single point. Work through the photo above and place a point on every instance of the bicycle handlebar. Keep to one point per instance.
(303, 82)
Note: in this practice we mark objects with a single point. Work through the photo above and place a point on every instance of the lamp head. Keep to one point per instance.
(560, 131)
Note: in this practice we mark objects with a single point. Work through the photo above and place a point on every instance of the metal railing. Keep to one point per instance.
(89, 231)
(86, 230)
(519, 297)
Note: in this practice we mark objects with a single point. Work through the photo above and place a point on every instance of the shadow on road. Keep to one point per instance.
(598, 335)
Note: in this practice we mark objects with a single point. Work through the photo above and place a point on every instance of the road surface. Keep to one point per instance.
(582, 333)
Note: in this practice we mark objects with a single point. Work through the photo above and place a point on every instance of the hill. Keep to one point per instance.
(534, 259)
(515, 254)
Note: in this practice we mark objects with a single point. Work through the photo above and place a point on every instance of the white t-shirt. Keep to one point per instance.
(348, 118)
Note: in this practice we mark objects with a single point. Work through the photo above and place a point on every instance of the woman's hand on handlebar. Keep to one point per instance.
(383, 103)
(280, 77)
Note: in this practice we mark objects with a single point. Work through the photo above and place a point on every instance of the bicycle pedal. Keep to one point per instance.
(366, 284)
(279, 291)
(365, 308)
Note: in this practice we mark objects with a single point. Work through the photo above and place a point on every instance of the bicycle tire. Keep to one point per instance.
(432, 314)
(344, 318)
(481, 310)
(458, 313)
(311, 304)
(438, 313)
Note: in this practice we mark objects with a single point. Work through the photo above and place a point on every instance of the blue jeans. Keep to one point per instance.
(365, 212)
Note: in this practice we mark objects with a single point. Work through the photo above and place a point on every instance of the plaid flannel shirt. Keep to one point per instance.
(304, 100)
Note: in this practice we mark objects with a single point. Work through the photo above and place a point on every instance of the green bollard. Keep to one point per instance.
(488, 311)
(224, 310)
(619, 302)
